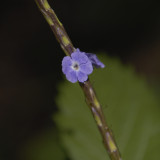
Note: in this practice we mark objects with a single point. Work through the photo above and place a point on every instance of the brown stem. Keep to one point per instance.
(93, 103)
(56, 26)
(90, 95)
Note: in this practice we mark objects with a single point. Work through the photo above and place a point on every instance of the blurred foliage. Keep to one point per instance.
(44, 146)
(130, 107)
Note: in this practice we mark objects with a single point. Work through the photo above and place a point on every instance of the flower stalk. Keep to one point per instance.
(90, 95)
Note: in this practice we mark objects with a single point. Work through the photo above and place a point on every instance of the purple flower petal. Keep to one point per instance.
(79, 57)
(72, 76)
(95, 61)
(86, 68)
(82, 77)
(66, 63)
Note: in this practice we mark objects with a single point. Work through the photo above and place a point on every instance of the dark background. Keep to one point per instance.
(30, 57)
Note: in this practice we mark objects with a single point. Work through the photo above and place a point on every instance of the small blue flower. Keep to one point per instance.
(95, 61)
(77, 67)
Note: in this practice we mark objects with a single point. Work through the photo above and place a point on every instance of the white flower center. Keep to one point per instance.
(75, 66)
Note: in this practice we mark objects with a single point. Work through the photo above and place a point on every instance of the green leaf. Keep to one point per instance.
(130, 108)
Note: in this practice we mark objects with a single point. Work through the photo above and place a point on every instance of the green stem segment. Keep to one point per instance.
(94, 105)
(56, 26)
(90, 95)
